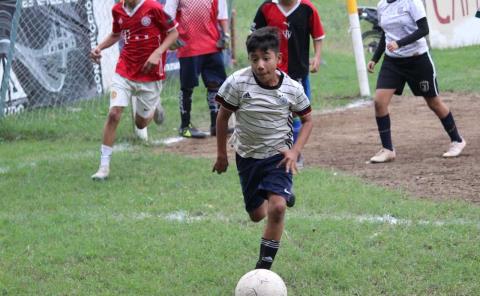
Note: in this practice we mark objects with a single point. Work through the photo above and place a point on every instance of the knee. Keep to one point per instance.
(255, 217)
(212, 86)
(277, 211)
(379, 106)
(114, 115)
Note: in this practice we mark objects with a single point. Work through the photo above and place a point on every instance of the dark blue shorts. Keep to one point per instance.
(258, 177)
(210, 66)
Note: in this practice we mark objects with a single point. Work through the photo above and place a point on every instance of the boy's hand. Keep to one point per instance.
(392, 46)
(151, 63)
(221, 164)
(289, 161)
(224, 41)
(371, 66)
(96, 55)
(314, 65)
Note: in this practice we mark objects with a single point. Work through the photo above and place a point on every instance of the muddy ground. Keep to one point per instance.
(345, 139)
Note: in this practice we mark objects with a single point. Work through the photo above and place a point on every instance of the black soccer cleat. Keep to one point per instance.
(191, 132)
(291, 201)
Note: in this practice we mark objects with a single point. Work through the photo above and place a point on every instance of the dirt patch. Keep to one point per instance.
(345, 139)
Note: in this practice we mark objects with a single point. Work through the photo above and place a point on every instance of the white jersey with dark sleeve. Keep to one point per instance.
(263, 115)
(398, 20)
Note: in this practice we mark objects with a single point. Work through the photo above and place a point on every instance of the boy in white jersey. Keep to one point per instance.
(263, 99)
(407, 60)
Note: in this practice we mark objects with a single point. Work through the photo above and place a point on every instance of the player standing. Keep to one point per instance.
(147, 32)
(201, 53)
(297, 20)
(263, 99)
(407, 60)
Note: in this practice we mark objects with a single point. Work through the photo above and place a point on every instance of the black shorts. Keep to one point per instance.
(211, 66)
(418, 71)
(258, 177)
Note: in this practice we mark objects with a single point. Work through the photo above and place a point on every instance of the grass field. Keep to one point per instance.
(165, 225)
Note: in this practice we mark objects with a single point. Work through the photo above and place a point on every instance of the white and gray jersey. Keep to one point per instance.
(398, 20)
(263, 114)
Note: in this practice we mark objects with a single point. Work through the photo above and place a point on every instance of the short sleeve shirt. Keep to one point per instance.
(263, 114)
(398, 20)
(143, 29)
(198, 24)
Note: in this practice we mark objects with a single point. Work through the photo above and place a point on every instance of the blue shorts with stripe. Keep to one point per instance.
(417, 71)
(258, 177)
(210, 66)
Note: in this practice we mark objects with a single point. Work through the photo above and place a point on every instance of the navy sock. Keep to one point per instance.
(213, 106)
(268, 250)
(185, 106)
(383, 124)
(449, 125)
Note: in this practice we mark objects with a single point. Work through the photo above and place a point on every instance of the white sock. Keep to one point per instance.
(106, 155)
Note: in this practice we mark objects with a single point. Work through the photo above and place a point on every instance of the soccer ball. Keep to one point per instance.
(261, 282)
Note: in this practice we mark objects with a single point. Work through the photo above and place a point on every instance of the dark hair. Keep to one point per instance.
(264, 39)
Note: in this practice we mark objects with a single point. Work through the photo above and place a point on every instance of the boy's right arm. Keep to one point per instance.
(221, 163)
(96, 53)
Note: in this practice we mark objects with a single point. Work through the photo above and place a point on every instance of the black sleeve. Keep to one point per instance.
(380, 49)
(422, 31)
(259, 21)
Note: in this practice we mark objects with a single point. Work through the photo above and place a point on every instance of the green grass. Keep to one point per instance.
(165, 225)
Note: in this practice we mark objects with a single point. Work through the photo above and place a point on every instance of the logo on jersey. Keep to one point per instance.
(424, 86)
(282, 100)
(287, 33)
(120, 21)
(146, 21)
(113, 95)
(246, 96)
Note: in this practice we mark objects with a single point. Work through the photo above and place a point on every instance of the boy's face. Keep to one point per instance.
(264, 64)
(130, 3)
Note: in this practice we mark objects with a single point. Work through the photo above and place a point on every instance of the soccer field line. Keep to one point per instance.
(186, 217)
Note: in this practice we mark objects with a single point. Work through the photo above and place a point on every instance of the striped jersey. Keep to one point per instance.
(263, 114)
(398, 20)
(296, 27)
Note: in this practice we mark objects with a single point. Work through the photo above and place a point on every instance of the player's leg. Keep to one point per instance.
(213, 75)
(120, 93)
(272, 234)
(423, 82)
(390, 82)
(189, 72)
(148, 100)
(297, 123)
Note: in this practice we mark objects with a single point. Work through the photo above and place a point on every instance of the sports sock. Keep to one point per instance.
(212, 105)
(106, 155)
(383, 124)
(185, 106)
(268, 250)
(449, 125)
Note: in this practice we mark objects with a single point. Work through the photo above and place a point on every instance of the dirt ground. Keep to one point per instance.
(345, 139)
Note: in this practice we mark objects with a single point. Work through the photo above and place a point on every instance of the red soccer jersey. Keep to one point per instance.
(198, 24)
(296, 27)
(143, 29)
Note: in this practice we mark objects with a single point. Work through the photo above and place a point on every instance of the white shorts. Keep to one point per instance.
(147, 94)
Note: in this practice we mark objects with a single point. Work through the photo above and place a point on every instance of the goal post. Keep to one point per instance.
(358, 51)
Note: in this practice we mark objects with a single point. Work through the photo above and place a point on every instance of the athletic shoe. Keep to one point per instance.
(191, 132)
(384, 155)
(102, 173)
(142, 134)
(291, 201)
(159, 115)
(455, 149)
(213, 131)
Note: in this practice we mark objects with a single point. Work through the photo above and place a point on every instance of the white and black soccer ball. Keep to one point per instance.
(261, 282)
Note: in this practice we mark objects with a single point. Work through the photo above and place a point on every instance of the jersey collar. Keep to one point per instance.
(129, 12)
(285, 13)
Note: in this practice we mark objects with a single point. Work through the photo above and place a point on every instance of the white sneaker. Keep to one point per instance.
(159, 115)
(455, 149)
(102, 173)
(142, 134)
(384, 155)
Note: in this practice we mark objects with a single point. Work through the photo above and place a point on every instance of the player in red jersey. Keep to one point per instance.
(297, 20)
(147, 32)
(203, 41)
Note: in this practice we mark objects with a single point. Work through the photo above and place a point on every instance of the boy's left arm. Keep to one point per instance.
(315, 62)
(291, 156)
